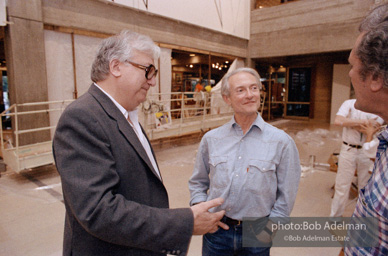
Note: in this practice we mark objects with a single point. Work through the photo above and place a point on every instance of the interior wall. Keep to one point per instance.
(341, 88)
(60, 74)
(59, 65)
(305, 27)
(61, 83)
(85, 48)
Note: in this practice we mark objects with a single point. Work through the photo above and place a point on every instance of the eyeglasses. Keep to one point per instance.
(150, 71)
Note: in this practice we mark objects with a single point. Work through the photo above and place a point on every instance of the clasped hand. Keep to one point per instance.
(205, 221)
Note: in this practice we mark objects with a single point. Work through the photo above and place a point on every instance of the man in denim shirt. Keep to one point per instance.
(249, 163)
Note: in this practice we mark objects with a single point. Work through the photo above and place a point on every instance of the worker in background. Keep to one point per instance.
(351, 157)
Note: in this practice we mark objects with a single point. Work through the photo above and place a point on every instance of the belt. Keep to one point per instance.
(353, 146)
(231, 222)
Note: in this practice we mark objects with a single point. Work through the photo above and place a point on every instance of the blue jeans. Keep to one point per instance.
(229, 243)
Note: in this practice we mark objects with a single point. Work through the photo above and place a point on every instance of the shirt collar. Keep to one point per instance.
(259, 122)
(131, 114)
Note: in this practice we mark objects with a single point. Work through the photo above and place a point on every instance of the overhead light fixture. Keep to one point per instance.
(192, 54)
(226, 61)
(282, 69)
(191, 65)
(271, 69)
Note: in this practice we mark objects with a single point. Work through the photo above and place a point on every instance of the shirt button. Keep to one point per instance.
(239, 157)
(236, 175)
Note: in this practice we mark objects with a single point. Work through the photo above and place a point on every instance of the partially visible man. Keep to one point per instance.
(249, 163)
(116, 203)
(351, 157)
(369, 76)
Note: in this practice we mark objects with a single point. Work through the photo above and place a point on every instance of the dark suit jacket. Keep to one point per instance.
(115, 202)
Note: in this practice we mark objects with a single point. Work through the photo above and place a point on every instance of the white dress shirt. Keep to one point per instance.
(133, 120)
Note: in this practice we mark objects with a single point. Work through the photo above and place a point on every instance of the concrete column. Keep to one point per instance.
(26, 64)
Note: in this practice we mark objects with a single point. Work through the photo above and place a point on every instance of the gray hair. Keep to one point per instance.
(121, 47)
(373, 48)
(225, 86)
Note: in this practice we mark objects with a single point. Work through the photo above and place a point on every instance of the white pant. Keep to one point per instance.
(349, 160)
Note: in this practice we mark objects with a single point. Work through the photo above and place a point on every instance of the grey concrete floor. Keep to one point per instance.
(32, 211)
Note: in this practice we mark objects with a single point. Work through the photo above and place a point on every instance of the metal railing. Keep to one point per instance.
(183, 112)
(19, 157)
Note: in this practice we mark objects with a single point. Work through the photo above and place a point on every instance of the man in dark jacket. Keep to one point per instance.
(116, 203)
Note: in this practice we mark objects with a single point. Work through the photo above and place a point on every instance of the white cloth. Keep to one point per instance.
(133, 117)
(370, 148)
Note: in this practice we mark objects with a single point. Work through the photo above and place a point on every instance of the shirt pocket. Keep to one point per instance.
(218, 171)
(261, 176)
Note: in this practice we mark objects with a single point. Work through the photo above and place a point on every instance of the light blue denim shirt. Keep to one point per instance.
(257, 174)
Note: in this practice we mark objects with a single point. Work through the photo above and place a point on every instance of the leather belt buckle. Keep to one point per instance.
(231, 222)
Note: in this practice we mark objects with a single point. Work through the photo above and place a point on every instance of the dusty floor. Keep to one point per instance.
(32, 212)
